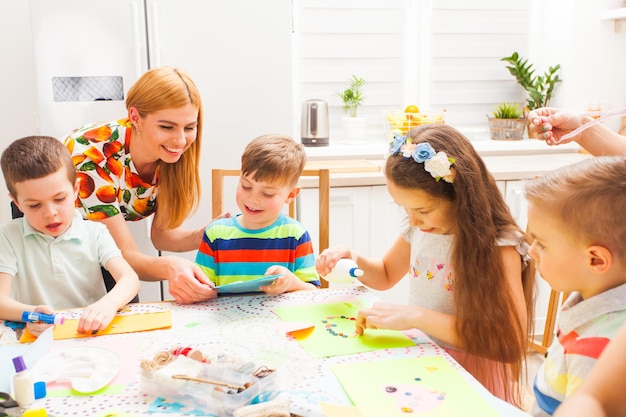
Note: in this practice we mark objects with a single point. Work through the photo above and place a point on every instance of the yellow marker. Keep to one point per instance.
(35, 412)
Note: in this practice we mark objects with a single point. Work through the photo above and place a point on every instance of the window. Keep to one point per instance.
(437, 54)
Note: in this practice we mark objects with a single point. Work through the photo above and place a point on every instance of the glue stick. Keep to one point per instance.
(37, 317)
(344, 272)
(23, 384)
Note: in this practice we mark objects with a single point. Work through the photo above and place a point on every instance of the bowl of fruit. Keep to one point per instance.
(401, 122)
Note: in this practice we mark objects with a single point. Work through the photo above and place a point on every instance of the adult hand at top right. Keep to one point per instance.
(551, 124)
(187, 282)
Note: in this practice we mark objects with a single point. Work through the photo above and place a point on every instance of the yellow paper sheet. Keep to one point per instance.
(336, 410)
(425, 386)
(119, 324)
(334, 331)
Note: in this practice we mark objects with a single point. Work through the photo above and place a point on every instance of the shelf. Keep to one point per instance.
(614, 14)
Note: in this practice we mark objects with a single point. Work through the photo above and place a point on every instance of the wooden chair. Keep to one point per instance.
(323, 175)
(554, 304)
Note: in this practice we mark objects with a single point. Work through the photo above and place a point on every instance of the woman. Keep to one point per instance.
(163, 133)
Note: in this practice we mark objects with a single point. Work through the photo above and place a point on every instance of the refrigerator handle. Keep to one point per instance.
(154, 42)
(137, 40)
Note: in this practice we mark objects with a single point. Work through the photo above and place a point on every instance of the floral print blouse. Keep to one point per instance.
(108, 181)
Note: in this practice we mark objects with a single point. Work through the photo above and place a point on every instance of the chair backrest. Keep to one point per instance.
(323, 175)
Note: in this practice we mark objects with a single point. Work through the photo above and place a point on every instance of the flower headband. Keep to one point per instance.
(438, 164)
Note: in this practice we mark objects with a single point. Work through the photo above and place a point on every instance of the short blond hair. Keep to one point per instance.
(589, 200)
(275, 159)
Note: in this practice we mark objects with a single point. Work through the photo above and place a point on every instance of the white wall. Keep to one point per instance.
(592, 53)
(17, 82)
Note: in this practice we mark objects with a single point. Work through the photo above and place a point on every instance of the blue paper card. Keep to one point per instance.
(246, 286)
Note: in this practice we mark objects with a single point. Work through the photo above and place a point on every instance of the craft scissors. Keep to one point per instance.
(8, 406)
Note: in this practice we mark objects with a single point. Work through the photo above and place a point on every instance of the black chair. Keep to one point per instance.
(109, 281)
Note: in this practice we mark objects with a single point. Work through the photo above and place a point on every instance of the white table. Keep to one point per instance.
(240, 325)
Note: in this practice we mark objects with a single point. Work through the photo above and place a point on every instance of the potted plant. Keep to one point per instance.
(540, 88)
(507, 122)
(354, 127)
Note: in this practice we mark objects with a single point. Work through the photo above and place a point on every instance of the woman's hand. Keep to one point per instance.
(551, 124)
(187, 282)
(327, 260)
(38, 328)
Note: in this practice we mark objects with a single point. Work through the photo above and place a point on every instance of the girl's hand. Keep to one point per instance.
(327, 260)
(187, 282)
(384, 316)
(38, 328)
(97, 316)
(551, 124)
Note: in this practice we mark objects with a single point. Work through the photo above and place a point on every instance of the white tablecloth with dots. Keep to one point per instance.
(242, 326)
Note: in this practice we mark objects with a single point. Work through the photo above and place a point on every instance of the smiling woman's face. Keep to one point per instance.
(165, 134)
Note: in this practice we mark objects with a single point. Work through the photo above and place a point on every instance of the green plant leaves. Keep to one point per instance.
(507, 111)
(540, 88)
(352, 96)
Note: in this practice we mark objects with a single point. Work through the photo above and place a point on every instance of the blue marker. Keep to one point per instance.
(35, 317)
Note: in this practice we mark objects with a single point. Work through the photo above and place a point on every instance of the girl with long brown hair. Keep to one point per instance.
(466, 259)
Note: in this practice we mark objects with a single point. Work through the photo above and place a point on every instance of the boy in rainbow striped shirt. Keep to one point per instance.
(262, 240)
(576, 221)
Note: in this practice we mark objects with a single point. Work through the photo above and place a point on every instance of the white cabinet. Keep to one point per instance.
(349, 216)
(385, 228)
(514, 197)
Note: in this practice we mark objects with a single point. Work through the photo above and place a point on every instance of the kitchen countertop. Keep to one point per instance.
(504, 166)
(378, 150)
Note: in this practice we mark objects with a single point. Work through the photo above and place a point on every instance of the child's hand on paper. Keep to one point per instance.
(287, 282)
(97, 316)
(281, 284)
(384, 316)
(38, 328)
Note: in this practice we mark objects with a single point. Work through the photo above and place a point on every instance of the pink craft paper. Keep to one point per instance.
(128, 352)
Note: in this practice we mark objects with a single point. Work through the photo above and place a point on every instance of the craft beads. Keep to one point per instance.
(330, 326)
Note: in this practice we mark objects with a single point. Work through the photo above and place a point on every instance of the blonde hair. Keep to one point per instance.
(35, 157)
(179, 183)
(275, 159)
(486, 323)
(588, 198)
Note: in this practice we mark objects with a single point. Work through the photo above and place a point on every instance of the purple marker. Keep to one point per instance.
(35, 317)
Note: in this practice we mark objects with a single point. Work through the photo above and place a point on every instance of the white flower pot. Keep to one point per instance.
(354, 129)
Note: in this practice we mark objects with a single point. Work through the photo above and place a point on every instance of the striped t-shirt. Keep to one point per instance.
(230, 253)
(585, 328)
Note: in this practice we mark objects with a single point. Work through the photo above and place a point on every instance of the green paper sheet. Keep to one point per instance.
(425, 386)
(334, 335)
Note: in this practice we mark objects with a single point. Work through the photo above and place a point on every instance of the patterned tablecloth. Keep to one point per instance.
(241, 326)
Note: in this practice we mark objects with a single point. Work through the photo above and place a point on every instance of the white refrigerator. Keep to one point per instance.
(89, 52)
